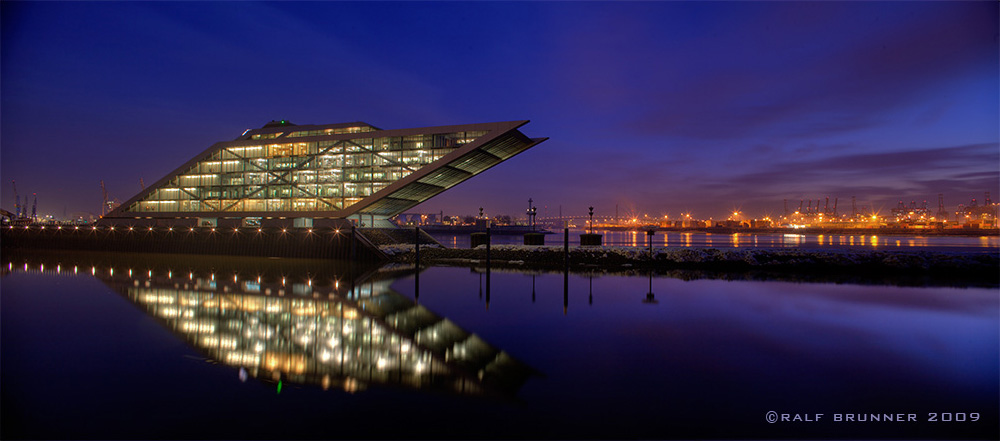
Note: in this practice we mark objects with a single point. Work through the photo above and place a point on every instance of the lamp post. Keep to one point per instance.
(591, 220)
(590, 239)
(531, 214)
(532, 237)
(481, 238)
(528, 213)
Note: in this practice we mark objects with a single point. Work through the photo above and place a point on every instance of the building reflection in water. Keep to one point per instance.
(321, 324)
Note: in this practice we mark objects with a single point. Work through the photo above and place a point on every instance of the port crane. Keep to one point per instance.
(17, 200)
(107, 204)
(20, 214)
(104, 200)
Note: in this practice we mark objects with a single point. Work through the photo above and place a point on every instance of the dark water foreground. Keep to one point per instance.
(141, 346)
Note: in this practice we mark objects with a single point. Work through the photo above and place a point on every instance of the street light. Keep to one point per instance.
(531, 214)
(591, 220)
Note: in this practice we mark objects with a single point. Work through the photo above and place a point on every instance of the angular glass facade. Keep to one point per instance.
(298, 176)
(327, 171)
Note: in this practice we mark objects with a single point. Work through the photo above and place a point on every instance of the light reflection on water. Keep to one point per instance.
(699, 239)
(707, 359)
(284, 327)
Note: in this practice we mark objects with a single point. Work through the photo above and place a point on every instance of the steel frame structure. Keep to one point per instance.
(331, 171)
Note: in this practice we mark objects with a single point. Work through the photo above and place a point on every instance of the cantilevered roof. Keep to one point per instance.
(449, 171)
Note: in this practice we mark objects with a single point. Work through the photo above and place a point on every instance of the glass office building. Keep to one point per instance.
(334, 171)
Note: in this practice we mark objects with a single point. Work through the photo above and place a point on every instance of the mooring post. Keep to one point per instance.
(350, 275)
(488, 240)
(416, 285)
(590, 300)
(566, 246)
(650, 298)
(416, 272)
(566, 270)
(565, 289)
(354, 240)
(416, 245)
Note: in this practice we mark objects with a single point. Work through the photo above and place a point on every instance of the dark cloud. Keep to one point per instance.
(877, 165)
(935, 158)
(883, 177)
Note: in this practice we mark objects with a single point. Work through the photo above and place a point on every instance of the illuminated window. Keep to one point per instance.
(266, 135)
(336, 168)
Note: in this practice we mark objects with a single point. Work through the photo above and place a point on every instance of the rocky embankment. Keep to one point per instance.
(911, 267)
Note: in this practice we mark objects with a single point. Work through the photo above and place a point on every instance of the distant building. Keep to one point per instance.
(978, 216)
(729, 224)
(284, 174)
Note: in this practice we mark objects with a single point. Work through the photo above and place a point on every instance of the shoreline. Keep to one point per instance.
(845, 231)
(886, 231)
(927, 268)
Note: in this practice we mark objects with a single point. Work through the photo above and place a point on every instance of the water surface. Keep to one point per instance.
(93, 351)
(769, 240)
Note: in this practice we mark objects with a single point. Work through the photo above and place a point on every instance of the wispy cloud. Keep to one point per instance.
(888, 174)
(840, 87)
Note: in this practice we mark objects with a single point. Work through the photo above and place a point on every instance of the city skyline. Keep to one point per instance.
(662, 108)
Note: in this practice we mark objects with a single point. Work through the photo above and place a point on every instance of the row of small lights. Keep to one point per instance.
(170, 274)
(235, 230)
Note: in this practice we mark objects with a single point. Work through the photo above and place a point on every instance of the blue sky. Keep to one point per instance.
(662, 108)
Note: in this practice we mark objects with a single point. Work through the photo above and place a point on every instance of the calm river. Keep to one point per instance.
(789, 240)
(98, 346)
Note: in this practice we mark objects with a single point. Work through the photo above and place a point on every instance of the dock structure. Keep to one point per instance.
(348, 243)
(292, 190)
